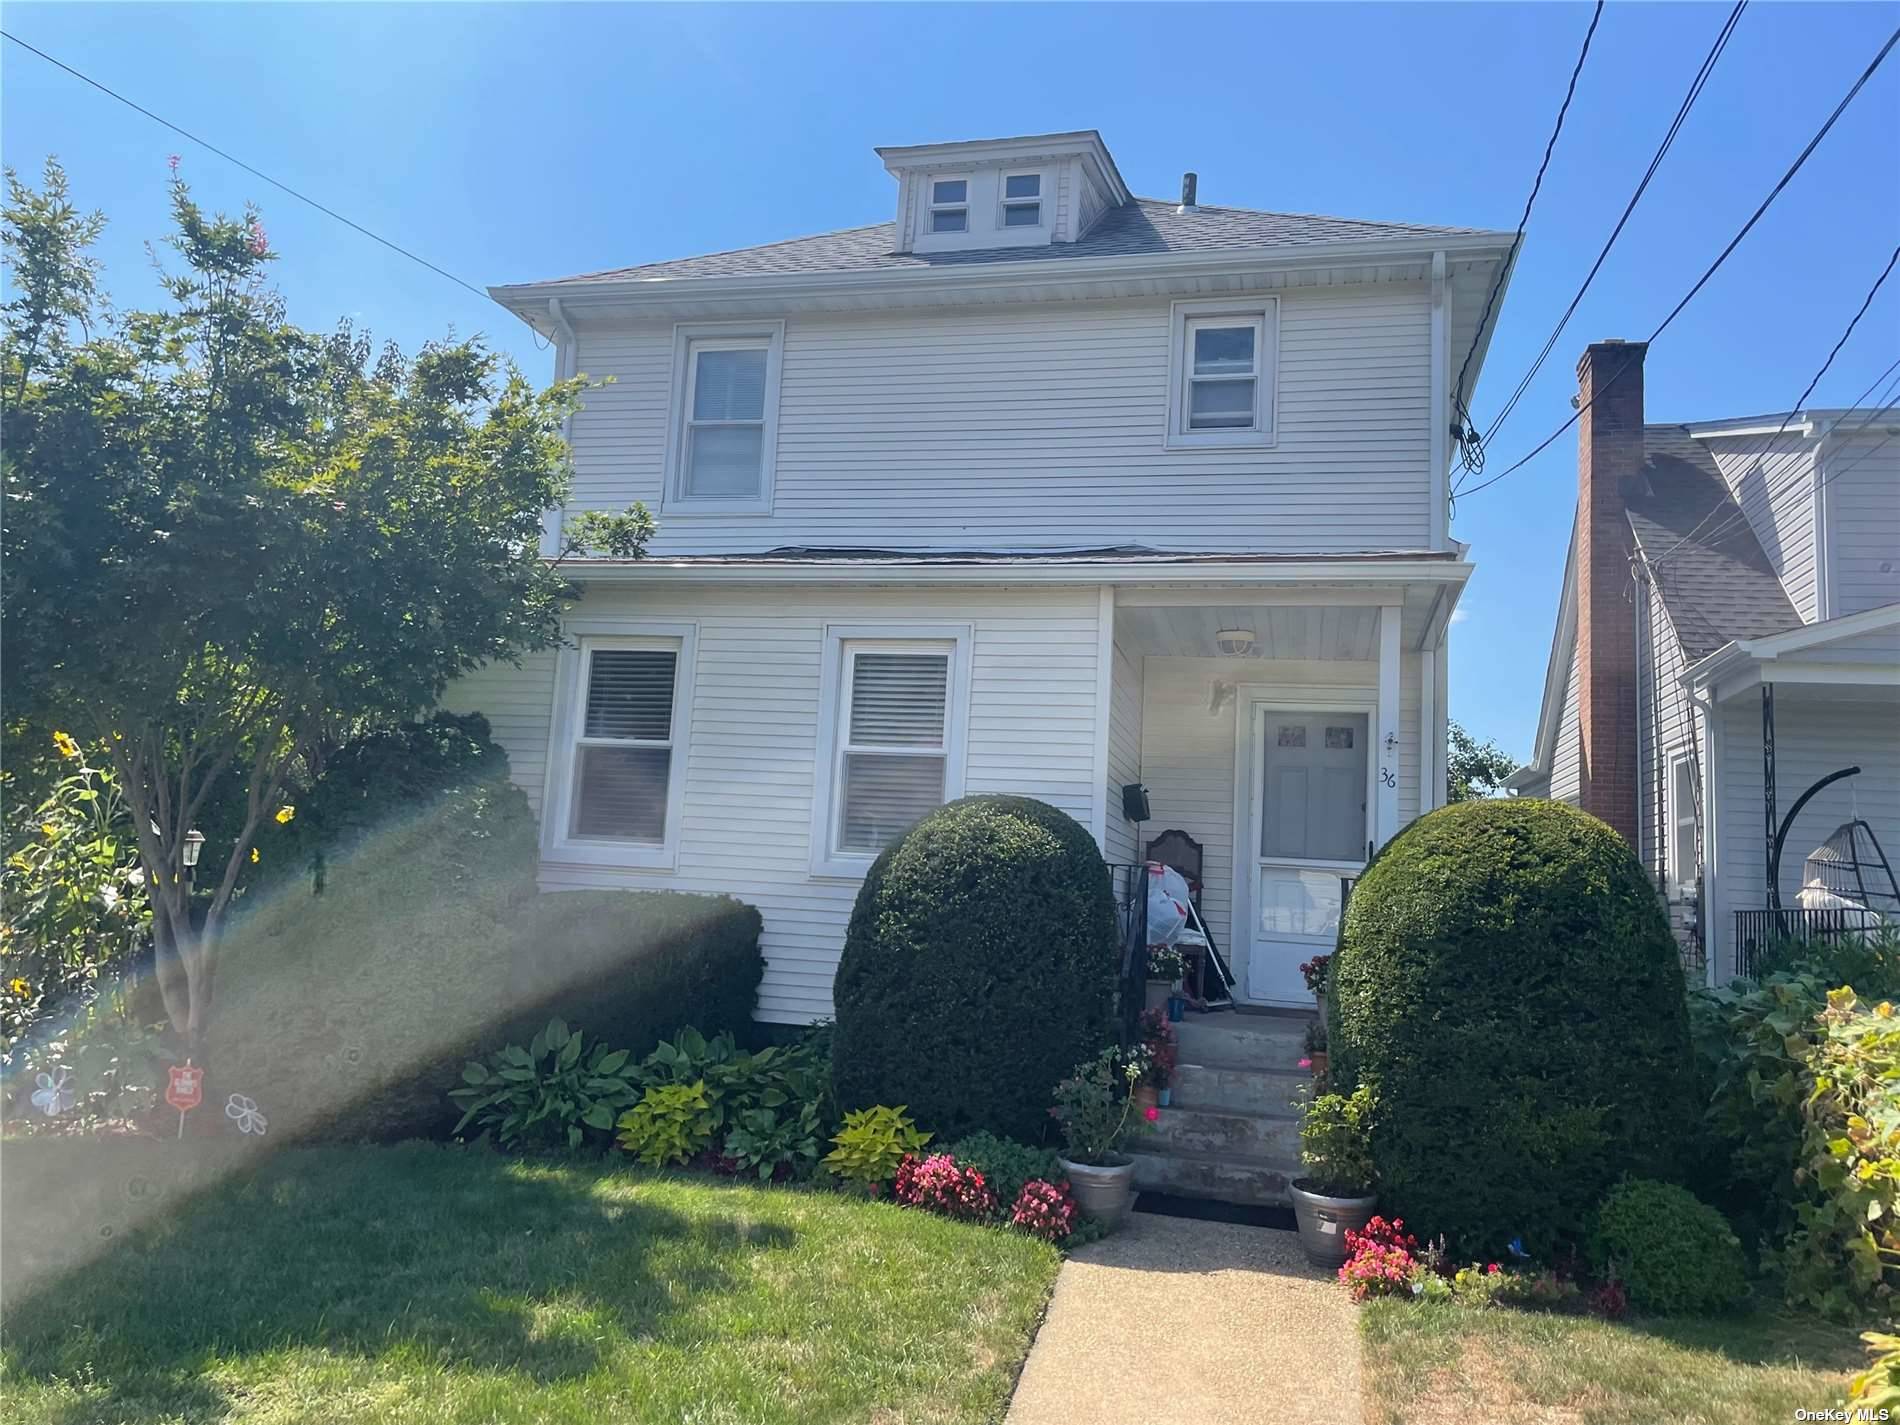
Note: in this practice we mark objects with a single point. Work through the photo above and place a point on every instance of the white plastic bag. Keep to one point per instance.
(1167, 904)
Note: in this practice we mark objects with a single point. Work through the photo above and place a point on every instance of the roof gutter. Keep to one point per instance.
(999, 275)
(1382, 571)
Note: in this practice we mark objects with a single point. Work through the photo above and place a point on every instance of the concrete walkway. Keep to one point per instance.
(1201, 1323)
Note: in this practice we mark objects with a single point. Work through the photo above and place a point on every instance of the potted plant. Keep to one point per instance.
(1316, 1048)
(1096, 1110)
(1163, 1052)
(1314, 972)
(1338, 1193)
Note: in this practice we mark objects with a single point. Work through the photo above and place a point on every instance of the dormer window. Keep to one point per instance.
(1022, 200)
(950, 205)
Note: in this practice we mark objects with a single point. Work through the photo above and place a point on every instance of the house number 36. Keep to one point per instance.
(1386, 779)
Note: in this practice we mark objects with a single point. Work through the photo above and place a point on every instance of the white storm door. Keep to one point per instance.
(1310, 788)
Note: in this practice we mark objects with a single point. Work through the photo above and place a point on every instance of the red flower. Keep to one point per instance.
(1151, 1113)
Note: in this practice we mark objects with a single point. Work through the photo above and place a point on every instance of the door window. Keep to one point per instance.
(1313, 787)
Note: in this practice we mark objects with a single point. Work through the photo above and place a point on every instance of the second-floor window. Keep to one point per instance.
(1022, 200)
(726, 416)
(949, 205)
(1221, 376)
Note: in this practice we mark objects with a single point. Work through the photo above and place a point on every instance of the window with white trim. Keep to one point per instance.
(894, 744)
(1221, 377)
(949, 205)
(615, 782)
(1680, 872)
(1022, 200)
(726, 377)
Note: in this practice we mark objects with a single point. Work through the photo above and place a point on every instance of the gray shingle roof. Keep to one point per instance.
(1719, 586)
(1141, 227)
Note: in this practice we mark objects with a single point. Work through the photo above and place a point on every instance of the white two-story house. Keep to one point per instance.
(1038, 488)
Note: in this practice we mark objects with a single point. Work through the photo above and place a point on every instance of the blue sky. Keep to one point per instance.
(513, 142)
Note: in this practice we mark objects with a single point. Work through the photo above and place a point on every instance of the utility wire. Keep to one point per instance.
(1800, 403)
(1471, 453)
(1702, 281)
(254, 172)
(1675, 127)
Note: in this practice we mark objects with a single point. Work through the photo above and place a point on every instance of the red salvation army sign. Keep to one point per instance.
(185, 1088)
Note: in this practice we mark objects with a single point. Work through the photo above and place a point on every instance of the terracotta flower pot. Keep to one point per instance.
(1323, 1222)
(1318, 1056)
(1145, 1096)
(1102, 1191)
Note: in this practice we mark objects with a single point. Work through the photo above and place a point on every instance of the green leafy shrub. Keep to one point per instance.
(549, 1094)
(1335, 1144)
(1095, 1107)
(1843, 1256)
(1868, 961)
(979, 966)
(670, 1123)
(1673, 1254)
(1007, 1165)
(1509, 989)
(775, 1141)
(872, 1143)
(1876, 1390)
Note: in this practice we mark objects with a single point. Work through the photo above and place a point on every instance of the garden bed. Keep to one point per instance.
(460, 1285)
(1433, 1365)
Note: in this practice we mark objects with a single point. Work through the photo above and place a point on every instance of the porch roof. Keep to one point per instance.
(1855, 650)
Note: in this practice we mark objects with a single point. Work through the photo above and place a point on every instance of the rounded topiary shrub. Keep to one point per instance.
(979, 969)
(1509, 988)
(1675, 1255)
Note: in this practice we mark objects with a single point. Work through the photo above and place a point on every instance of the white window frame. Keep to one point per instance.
(841, 642)
(1675, 883)
(558, 843)
(932, 207)
(1185, 318)
(1004, 202)
(688, 339)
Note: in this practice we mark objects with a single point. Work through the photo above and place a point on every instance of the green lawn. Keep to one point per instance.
(1432, 1365)
(425, 1284)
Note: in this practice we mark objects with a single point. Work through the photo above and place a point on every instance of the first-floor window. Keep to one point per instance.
(1681, 871)
(895, 746)
(625, 738)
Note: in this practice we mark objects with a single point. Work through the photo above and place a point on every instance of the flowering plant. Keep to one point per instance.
(1045, 1209)
(1336, 1144)
(938, 1184)
(1092, 1106)
(1314, 971)
(1165, 962)
(1162, 1045)
(1380, 1260)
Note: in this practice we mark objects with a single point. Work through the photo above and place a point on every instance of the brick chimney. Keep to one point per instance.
(1609, 465)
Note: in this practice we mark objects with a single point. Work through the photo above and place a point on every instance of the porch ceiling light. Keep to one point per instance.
(1234, 641)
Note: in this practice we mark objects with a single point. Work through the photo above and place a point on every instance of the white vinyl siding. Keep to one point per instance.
(1773, 482)
(1861, 500)
(1667, 735)
(1566, 758)
(751, 764)
(1187, 756)
(1124, 755)
(1042, 425)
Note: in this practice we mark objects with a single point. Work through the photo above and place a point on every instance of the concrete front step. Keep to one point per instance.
(1239, 1090)
(1215, 1177)
(1275, 1137)
(1244, 1041)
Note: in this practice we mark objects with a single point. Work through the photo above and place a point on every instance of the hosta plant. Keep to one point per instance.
(550, 1094)
(872, 1143)
(764, 1140)
(670, 1123)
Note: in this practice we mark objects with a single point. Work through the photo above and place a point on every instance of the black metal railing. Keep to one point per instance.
(1131, 910)
(1756, 931)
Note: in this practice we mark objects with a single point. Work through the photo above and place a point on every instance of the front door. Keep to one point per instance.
(1309, 791)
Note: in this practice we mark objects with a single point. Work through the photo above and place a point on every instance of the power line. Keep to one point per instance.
(1702, 281)
(1472, 454)
(253, 171)
(1668, 140)
(1801, 403)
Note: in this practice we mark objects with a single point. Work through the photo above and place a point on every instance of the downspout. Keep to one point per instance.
(1710, 843)
(566, 365)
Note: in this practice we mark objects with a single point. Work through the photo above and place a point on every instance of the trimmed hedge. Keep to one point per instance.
(1509, 987)
(349, 1014)
(1675, 1256)
(979, 969)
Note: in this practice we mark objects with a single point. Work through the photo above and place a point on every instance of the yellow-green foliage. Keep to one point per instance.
(1877, 1389)
(669, 1124)
(872, 1143)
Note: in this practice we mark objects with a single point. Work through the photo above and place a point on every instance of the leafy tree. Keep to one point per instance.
(1474, 769)
(231, 543)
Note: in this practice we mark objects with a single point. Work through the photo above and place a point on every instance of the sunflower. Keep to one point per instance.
(64, 742)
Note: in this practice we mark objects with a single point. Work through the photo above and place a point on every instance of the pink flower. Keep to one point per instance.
(172, 161)
(1151, 1114)
(1306, 1063)
(259, 241)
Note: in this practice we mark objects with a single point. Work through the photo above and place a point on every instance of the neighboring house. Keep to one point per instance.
(1041, 488)
(1731, 600)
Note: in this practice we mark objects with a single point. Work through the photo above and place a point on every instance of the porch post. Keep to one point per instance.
(1768, 793)
(1385, 819)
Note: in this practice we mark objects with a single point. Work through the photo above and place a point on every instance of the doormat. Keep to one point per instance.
(1164, 1204)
